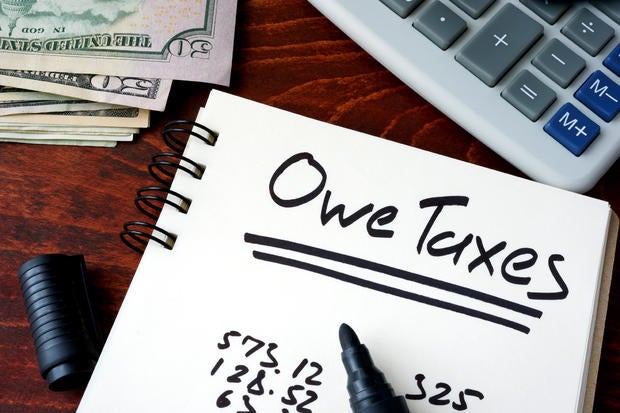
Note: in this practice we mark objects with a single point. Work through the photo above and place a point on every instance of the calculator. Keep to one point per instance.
(536, 81)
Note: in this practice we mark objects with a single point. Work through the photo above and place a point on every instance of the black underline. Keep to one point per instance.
(395, 272)
(390, 290)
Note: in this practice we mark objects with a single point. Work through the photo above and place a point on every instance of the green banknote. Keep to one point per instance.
(17, 101)
(135, 91)
(160, 39)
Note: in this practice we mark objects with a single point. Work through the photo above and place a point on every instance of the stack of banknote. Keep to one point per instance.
(88, 72)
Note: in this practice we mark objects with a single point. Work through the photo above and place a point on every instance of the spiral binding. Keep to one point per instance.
(164, 163)
(150, 200)
(148, 197)
(185, 128)
(135, 230)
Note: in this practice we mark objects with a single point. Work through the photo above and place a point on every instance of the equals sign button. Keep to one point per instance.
(529, 95)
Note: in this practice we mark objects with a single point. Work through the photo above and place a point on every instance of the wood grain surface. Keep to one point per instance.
(74, 200)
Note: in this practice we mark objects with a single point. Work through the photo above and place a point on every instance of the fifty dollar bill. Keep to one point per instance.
(139, 92)
(18, 101)
(160, 39)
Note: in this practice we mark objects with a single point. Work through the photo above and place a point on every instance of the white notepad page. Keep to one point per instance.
(471, 288)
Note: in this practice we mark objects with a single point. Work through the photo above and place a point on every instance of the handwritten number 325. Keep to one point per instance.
(441, 397)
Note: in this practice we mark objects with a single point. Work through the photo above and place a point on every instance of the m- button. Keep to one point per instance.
(601, 95)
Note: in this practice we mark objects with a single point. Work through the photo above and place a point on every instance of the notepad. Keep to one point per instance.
(474, 290)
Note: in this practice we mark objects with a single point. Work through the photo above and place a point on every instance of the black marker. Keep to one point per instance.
(369, 392)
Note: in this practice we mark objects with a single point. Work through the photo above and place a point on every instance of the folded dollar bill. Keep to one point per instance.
(162, 39)
(118, 117)
(18, 101)
(138, 92)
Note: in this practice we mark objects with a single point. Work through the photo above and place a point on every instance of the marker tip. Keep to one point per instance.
(347, 336)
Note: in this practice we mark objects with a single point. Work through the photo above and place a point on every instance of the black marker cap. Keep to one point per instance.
(369, 391)
(66, 333)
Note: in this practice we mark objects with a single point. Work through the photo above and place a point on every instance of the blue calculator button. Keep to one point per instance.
(572, 129)
(600, 94)
(612, 62)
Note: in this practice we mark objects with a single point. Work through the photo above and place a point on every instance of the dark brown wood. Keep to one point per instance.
(74, 200)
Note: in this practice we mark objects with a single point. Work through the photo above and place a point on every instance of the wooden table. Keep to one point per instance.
(74, 200)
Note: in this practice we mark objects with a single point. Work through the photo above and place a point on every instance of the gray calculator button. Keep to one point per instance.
(588, 31)
(548, 11)
(402, 7)
(440, 24)
(499, 44)
(474, 8)
(609, 7)
(529, 95)
(559, 62)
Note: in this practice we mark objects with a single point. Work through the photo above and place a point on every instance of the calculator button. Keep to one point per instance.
(402, 7)
(610, 7)
(474, 8)
(529, 95)
(559, 62)
(499, 44)
(574, 130)
(588, 31)
(601, 95)
(440, 24)
(549, 12)
(612, 62)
